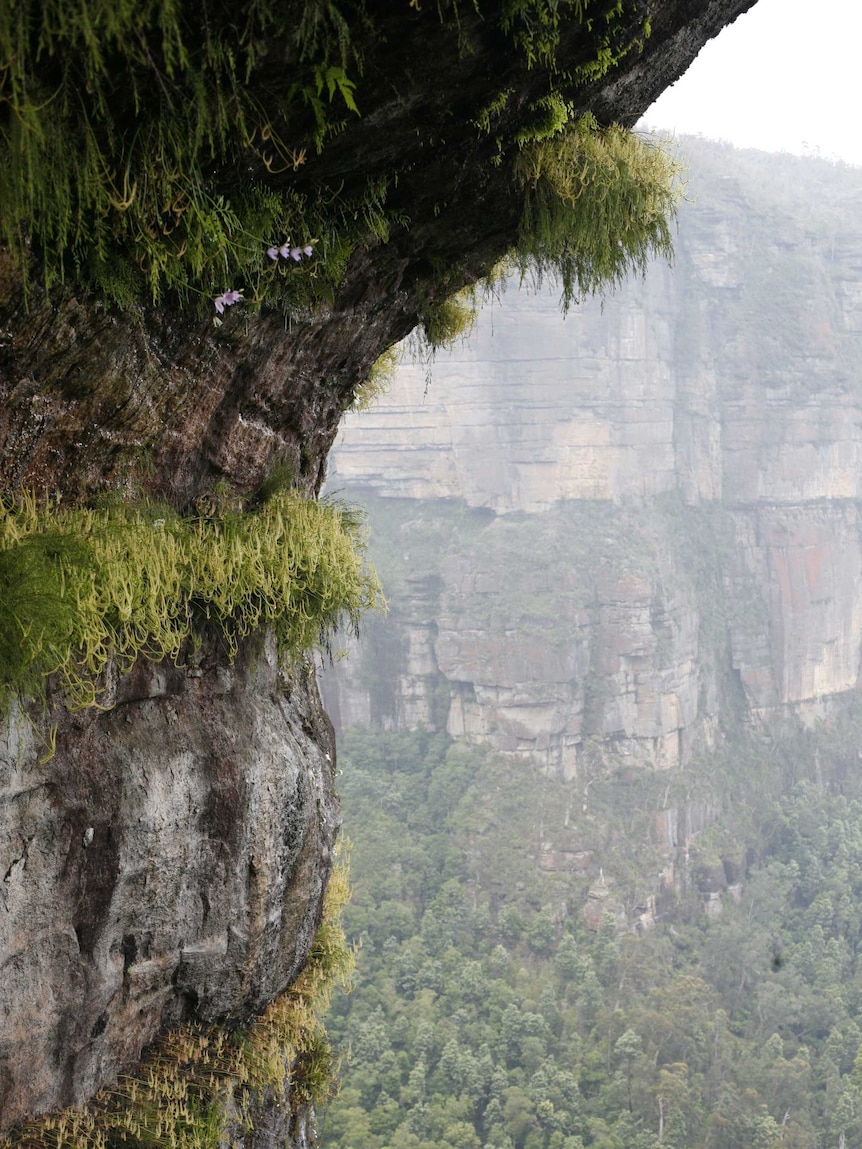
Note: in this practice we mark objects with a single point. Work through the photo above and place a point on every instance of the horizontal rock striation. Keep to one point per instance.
(660, 493)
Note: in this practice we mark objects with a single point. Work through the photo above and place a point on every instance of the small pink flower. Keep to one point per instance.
(308, 249)
(227, 299)
(284, 251)
(296, 254)
(272, 252)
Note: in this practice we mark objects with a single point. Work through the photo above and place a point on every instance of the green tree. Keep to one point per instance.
(627, 1047)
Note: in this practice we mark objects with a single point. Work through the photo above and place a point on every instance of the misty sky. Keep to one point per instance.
(783, 77)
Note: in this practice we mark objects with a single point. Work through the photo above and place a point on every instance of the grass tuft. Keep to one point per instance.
(598, 203)
(378, 381)
(81, 588)
(447, 320)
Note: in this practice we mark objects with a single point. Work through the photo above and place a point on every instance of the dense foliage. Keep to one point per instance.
(82, 588)
(487, 1014)
(163, 151)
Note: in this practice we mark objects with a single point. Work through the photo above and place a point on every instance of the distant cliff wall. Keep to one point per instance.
(638, 521)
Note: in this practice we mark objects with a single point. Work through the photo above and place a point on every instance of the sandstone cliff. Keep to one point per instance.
(168, 862)
(641, 522)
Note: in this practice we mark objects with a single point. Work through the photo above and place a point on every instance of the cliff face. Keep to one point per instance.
(659, 494)
(168, 861)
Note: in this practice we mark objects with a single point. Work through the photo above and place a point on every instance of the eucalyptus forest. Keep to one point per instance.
(485, 1012)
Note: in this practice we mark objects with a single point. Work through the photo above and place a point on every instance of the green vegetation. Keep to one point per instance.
(617, 29)
(115, 114)
(447, 320)
(82, 588)
(378, 381)
(158, 151)
(486, 1013)
(598, 205)
(200, 1086)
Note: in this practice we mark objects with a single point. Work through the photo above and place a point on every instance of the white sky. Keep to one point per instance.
(786, 76)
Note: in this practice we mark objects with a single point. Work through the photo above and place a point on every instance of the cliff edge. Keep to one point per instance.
(164, 859)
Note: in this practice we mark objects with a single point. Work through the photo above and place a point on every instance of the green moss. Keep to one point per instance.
(114, 117)
(597, 205)
(379, 380)
(82, 588)
(490, 113)
(202, 1086)
(535, 27)
(549, 116)
(447, 320)
(144, 154)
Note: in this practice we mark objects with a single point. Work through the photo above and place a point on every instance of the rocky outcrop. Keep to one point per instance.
(167, 862)
(160, 400)
(660, 515)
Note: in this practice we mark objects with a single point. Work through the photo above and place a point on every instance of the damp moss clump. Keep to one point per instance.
(599, 202)
(82, 588)
(203, 1087)
(138, 157)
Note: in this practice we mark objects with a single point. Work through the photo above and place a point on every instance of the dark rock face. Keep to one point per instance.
(169, 860)
(160, 402)
(167, 863)
(90, 401)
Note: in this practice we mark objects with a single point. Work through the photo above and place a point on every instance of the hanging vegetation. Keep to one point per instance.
(157, 151)
(598, 203)
(81, 588)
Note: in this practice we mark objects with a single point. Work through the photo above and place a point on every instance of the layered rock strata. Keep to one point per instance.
(660, 492)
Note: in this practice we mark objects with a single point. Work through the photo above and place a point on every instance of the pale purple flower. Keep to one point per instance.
(288, 252)
(227, 299)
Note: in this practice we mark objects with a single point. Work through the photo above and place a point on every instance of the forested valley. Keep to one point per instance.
(486, 1013)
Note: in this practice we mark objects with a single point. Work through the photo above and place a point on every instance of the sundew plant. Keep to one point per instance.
(82, 588)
